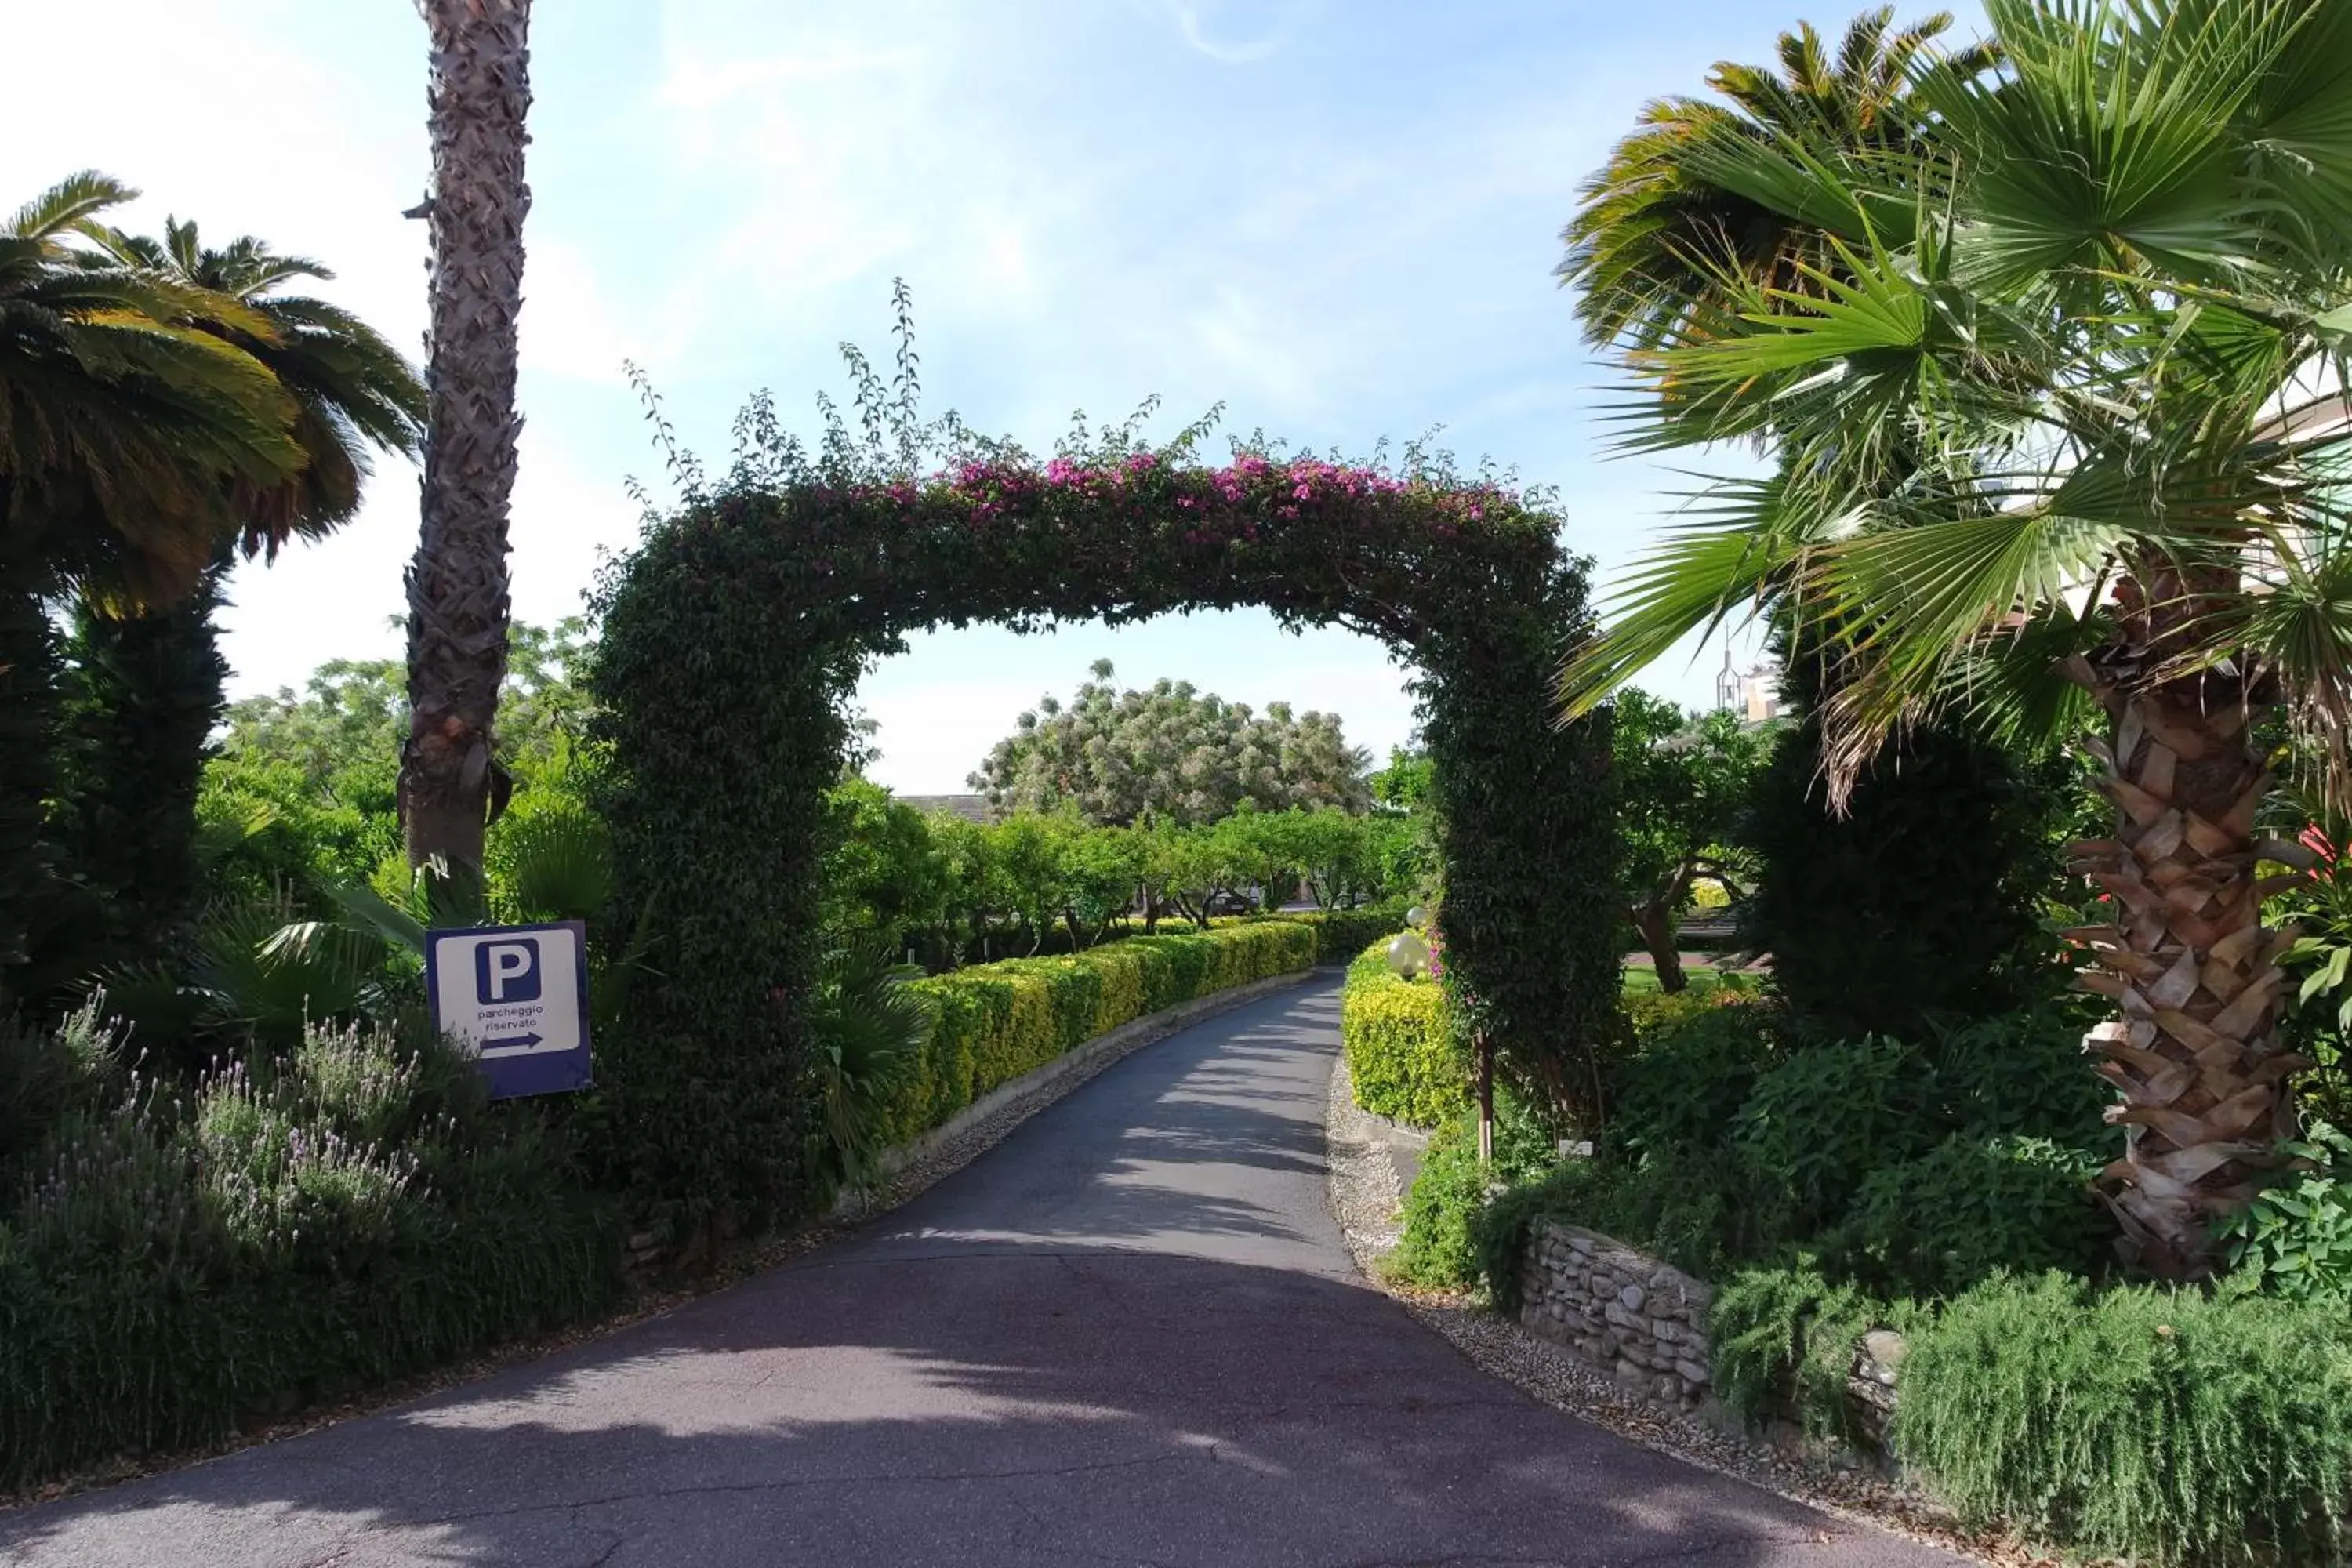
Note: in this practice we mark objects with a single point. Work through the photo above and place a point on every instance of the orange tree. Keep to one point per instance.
(733, 636)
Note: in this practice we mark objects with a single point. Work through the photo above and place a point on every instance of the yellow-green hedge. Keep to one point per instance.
(994, 1022)
(1403, 1051)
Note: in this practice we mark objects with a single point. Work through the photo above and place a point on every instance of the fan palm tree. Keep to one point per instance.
(2080, 415)
(479, 100)
(1665, 230)
(1658, 225)
(151, 683)
(122, 431)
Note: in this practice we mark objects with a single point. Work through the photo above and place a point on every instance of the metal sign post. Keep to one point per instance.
(518, 997)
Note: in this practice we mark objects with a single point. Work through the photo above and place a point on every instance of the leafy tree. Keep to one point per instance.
(885, 879)
(1102, 869)
(2081, 418)
(1681, 783)
(1405, 841)
(968, 858)
(1026, 857)
(1171, 751)
(479, 98)
(304, 788)
(1185, 868)
(1404, 784)
(122, 434)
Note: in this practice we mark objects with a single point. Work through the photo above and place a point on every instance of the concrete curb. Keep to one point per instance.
(1040, 1082)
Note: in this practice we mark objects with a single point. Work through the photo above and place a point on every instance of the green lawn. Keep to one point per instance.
(1643, 981)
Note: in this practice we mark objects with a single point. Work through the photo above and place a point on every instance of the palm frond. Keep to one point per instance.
(1742, 546)
(75, 200)
(553, 865)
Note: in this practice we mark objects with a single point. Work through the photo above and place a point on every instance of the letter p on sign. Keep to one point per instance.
(507, 971)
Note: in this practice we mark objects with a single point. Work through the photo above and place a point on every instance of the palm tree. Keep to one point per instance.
(152, 684)
(1660, 224)
(2081, 416)
(1711, 195)
(122, 431)
(458, 601)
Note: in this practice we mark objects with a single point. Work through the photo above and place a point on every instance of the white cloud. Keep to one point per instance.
(1196, 30)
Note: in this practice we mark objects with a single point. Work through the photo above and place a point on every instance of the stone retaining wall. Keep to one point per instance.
(1642, 1319)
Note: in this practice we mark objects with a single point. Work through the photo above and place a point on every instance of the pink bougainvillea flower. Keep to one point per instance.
(2319, 844)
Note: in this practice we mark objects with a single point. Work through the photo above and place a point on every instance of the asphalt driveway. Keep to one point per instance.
(1129, 1334)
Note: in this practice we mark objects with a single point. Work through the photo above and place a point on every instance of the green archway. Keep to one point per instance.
(734, 635)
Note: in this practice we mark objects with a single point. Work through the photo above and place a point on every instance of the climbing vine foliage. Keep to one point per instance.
(734, 633)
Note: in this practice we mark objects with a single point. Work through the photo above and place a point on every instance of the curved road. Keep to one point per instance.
(1129, 1334)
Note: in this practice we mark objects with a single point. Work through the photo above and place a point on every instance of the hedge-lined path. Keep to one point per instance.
(1130, 1333)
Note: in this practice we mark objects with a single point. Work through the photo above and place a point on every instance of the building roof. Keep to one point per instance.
(970, 808)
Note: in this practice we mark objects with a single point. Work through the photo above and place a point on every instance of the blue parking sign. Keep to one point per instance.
(516, 997)
(507, 970)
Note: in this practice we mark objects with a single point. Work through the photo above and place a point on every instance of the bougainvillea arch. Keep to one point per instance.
(734, 633)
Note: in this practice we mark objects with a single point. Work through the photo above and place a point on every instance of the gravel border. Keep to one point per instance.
(928, 1161)
(1368, 1204)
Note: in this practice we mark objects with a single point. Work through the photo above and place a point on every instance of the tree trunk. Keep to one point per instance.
(458, 599)
(2196, 979)
(1657, 928)
(1484, 1049)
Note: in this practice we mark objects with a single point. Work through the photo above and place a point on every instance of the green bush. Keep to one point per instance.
(994, 1022)
(1784, 1343)
(1691, 1069)
(1341, 934)
(1914, 1169)
(2165, 1425)
(1703, 1215)
(1405, 1058)
(2294, 1239)
(1919, 897)
(2021, 1072)
(1822, 1121)
(1972, 1206)
(1440, 1247)
(290, 1230)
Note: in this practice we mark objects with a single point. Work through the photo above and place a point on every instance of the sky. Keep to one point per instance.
(1339, 218)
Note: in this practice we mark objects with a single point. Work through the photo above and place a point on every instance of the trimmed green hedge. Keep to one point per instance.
(1404, 1056)
(1341, 934)
(994, 1022)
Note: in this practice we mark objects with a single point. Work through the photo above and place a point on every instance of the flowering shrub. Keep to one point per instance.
(733, 636)
(174, 1263)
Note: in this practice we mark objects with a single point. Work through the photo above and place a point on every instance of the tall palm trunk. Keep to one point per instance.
(458, 599)
(2195, 975)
